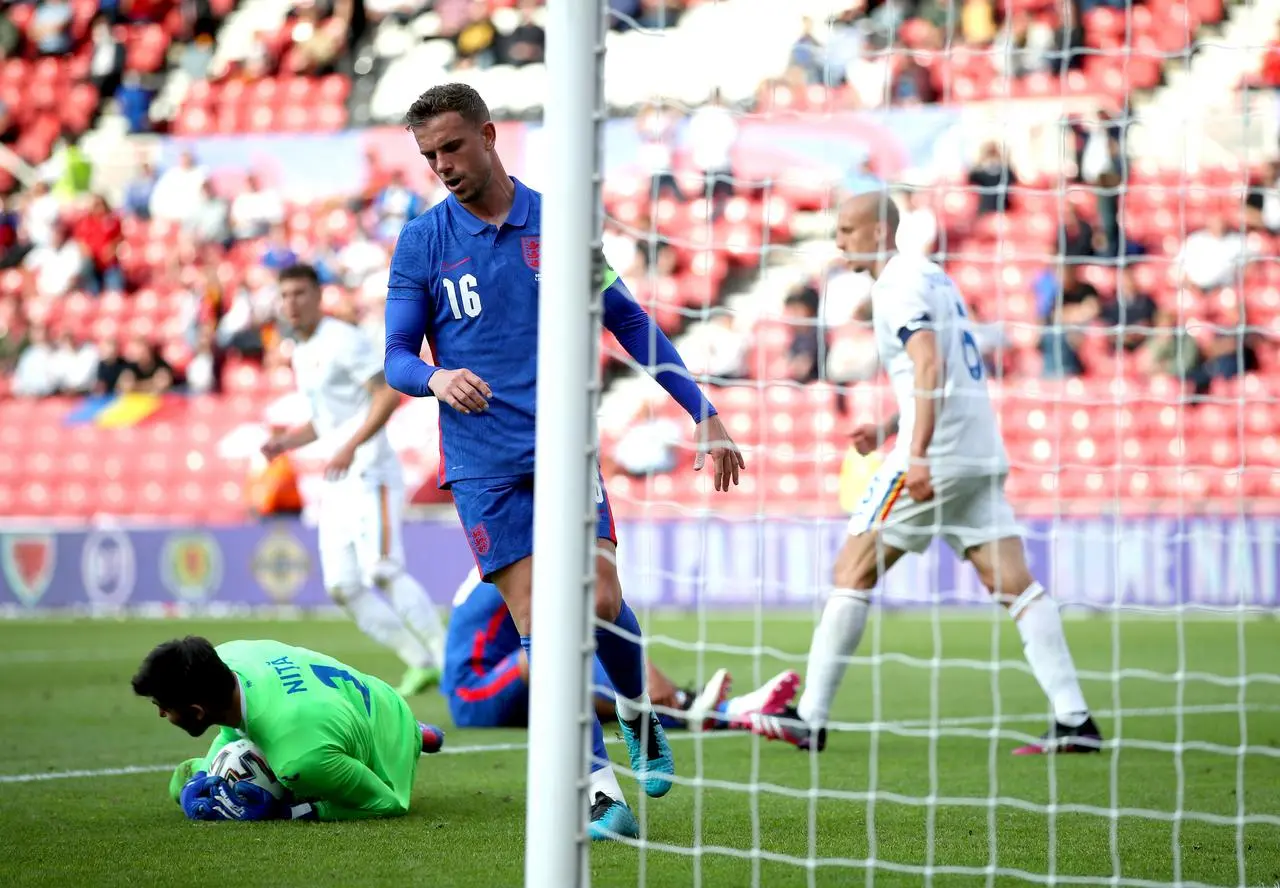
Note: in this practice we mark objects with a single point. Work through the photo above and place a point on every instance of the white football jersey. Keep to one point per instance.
(913, 294)
(331, 370)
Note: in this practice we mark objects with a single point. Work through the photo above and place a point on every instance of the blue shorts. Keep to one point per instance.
(500, 699)
(497, 516)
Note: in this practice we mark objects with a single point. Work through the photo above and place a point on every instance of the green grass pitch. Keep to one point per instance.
(65, 704)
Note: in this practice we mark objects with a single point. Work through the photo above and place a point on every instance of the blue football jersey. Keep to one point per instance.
(480, 283)
(480, 634)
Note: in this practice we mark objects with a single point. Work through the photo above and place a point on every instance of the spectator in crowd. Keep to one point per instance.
(138, 190)
(911, 84)
(527, 43)
(992, 176)
(1102, 164)
(656, 14)
(477, 42)
(146, 371)
(277, 252)
(255, 209)
(13, 244)
(99, 233)
(943, 20)
(1075, 235)
(1068, 40)
(870, 75)
(209, 217)
(1210, 258)
(133, 99)
(111, 367)
(74, 365)
(34, 377)
(203, 371)
(360, 259)
(244, 326)
(713, 131)
(40, 214)
(978, 22)
(649, 446)
(68, 169)
(50, 28)
(198, 19)
(106, 56)
(1262, 203)
(918, 225)
(9, 129)
(807, 53)
(621, 250)
(10, 36)
(178, 189)
(720, 351)
(59, 267)
(845, 44)
(1172, 349)
(395, 205)
(1131, 312)
(13, 336)
(1231, 352)
(805, 353)
(318, 42)
(1013, 53)
(657, 127)
(1067, 305)
(656, 252)
(196, 57)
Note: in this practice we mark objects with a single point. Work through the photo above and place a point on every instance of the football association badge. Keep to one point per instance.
(108, 568)
(479, 536)
(531, 247)
(191, 566)
(281, 565)
(28, 560)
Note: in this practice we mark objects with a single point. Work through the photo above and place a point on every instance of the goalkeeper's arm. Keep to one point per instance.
(345, 788)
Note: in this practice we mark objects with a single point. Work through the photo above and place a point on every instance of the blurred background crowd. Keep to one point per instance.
(131, 263)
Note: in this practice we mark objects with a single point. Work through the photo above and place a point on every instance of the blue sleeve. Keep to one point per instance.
(650, 347)
(408, 317)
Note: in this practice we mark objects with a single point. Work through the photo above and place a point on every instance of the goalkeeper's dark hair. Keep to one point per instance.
(185, 672)
(458, 98)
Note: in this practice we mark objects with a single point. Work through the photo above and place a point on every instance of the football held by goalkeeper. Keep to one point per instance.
(465, 276)
(943, 478)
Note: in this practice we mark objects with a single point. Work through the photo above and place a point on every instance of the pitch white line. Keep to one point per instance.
(862, 727)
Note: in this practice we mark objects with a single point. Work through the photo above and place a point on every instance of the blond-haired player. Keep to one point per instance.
(944, 477)
(339, 371)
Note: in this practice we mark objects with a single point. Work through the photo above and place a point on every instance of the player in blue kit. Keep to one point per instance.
(465, 277)
(486, 676)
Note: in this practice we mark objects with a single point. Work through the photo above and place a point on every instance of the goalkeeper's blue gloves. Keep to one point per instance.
(214, 798)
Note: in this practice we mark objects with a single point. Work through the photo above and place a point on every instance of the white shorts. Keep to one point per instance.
(359, 532)
(965, 512)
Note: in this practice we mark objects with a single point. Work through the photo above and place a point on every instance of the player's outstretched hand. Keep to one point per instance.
(214, 798)
(461, 389)
(727, 459)
(866, 438)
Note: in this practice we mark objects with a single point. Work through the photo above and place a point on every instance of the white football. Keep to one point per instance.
(243, 760)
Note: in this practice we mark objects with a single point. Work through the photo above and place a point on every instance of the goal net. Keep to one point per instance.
(1097, 179)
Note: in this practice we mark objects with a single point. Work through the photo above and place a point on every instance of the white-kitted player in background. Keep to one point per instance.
(339, 371)
(944, 477)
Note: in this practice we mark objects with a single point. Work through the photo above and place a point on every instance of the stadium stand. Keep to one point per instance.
(143, 357)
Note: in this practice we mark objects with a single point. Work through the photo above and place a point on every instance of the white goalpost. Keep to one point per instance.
(564, 510)
(1152, 506)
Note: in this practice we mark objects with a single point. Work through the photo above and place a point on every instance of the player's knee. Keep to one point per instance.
(855, 566)
(383, 574)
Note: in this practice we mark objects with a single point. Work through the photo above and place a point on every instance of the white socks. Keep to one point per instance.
(1045, 646)
(629, 709)
(376, 619)
(605, 781)
(834, 640)
(416, 610)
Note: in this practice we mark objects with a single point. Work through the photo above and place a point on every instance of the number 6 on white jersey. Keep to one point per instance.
(470, 296)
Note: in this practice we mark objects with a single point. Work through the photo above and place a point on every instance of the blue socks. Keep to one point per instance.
(622, 658)
(599, 754)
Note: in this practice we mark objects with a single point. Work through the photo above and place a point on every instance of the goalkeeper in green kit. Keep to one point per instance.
(343, 743)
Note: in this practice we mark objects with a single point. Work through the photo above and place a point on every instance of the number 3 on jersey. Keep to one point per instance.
(464, 298)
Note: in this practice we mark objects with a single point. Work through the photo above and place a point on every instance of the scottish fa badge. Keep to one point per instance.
(28, 560)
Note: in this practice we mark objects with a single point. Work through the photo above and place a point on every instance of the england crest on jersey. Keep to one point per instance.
(28, 560)
(531, 247)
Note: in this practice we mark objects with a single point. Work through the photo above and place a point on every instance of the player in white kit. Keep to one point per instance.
(944, 477)
(338, 369)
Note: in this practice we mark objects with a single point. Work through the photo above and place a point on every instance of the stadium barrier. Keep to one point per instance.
(1157, 563)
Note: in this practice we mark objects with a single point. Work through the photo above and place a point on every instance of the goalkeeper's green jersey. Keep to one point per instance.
(334, 736)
